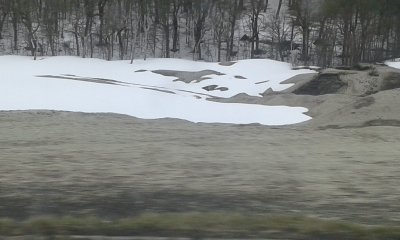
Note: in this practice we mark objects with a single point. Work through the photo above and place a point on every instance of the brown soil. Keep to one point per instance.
(58, 163)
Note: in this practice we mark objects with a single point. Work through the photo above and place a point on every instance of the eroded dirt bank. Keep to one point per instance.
(339, 98)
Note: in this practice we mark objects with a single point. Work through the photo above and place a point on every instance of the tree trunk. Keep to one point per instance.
(219, 49)
(198, 32)
(255, 39)
(15, 28)
(266, 5)
(101, 6)
(231, 39)
(157, 11)
(78, 53)
(306, 34)
(83, 40)
(121, 44)
(145, 39)
(166, 34)
(2, 19)
(175, 26)
(241, 4)
(345, 46)
(279, 9)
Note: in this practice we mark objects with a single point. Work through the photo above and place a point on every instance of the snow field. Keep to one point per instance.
(94, 86)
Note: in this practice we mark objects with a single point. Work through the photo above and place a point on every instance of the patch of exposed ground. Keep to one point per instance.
(187, 77)
(364, 102)
(159, 90)
(324, 83)
(215, 87)
(115, 82)
(262, 82)
(391, 80)
(227, 64)
(85, 79)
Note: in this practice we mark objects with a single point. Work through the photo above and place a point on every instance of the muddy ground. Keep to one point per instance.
(59, 163)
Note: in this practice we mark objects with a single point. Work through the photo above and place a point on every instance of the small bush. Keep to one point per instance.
(362, 67)
(373, 72)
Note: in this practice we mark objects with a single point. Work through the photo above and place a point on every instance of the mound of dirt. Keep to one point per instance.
(361, 81)
(380, 109)
(339, 98)
(391, 80)
(324, 83)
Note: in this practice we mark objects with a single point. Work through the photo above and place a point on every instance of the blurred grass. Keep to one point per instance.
(198, 225)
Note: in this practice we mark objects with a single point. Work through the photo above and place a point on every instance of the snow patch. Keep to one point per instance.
(394, 64)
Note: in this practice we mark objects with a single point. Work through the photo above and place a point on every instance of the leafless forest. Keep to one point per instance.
(311, 32)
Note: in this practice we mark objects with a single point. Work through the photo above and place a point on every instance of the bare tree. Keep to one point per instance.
(5, 9)
(278, 10)
(175, 24)
(234, 12)
(279, 31)
(164, 19)
(302, 12)
(201, 10)
(256, 7)
(220, 26)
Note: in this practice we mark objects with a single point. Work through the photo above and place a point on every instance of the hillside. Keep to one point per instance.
(74, 173)
(341, 98)
(303, 32)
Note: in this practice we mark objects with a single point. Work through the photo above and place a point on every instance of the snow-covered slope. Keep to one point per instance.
(176, 89)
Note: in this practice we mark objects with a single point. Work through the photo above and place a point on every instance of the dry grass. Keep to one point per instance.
(198, 225)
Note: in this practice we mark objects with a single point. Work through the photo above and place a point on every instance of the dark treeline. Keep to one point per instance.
(318, 32)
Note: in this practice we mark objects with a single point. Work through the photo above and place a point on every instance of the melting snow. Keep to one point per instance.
(394, 64)
(94, 85)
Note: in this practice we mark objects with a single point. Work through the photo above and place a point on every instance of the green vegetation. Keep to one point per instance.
(198, 225)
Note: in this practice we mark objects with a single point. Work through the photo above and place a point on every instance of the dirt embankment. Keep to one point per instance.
(324, 83)
(340, 98)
